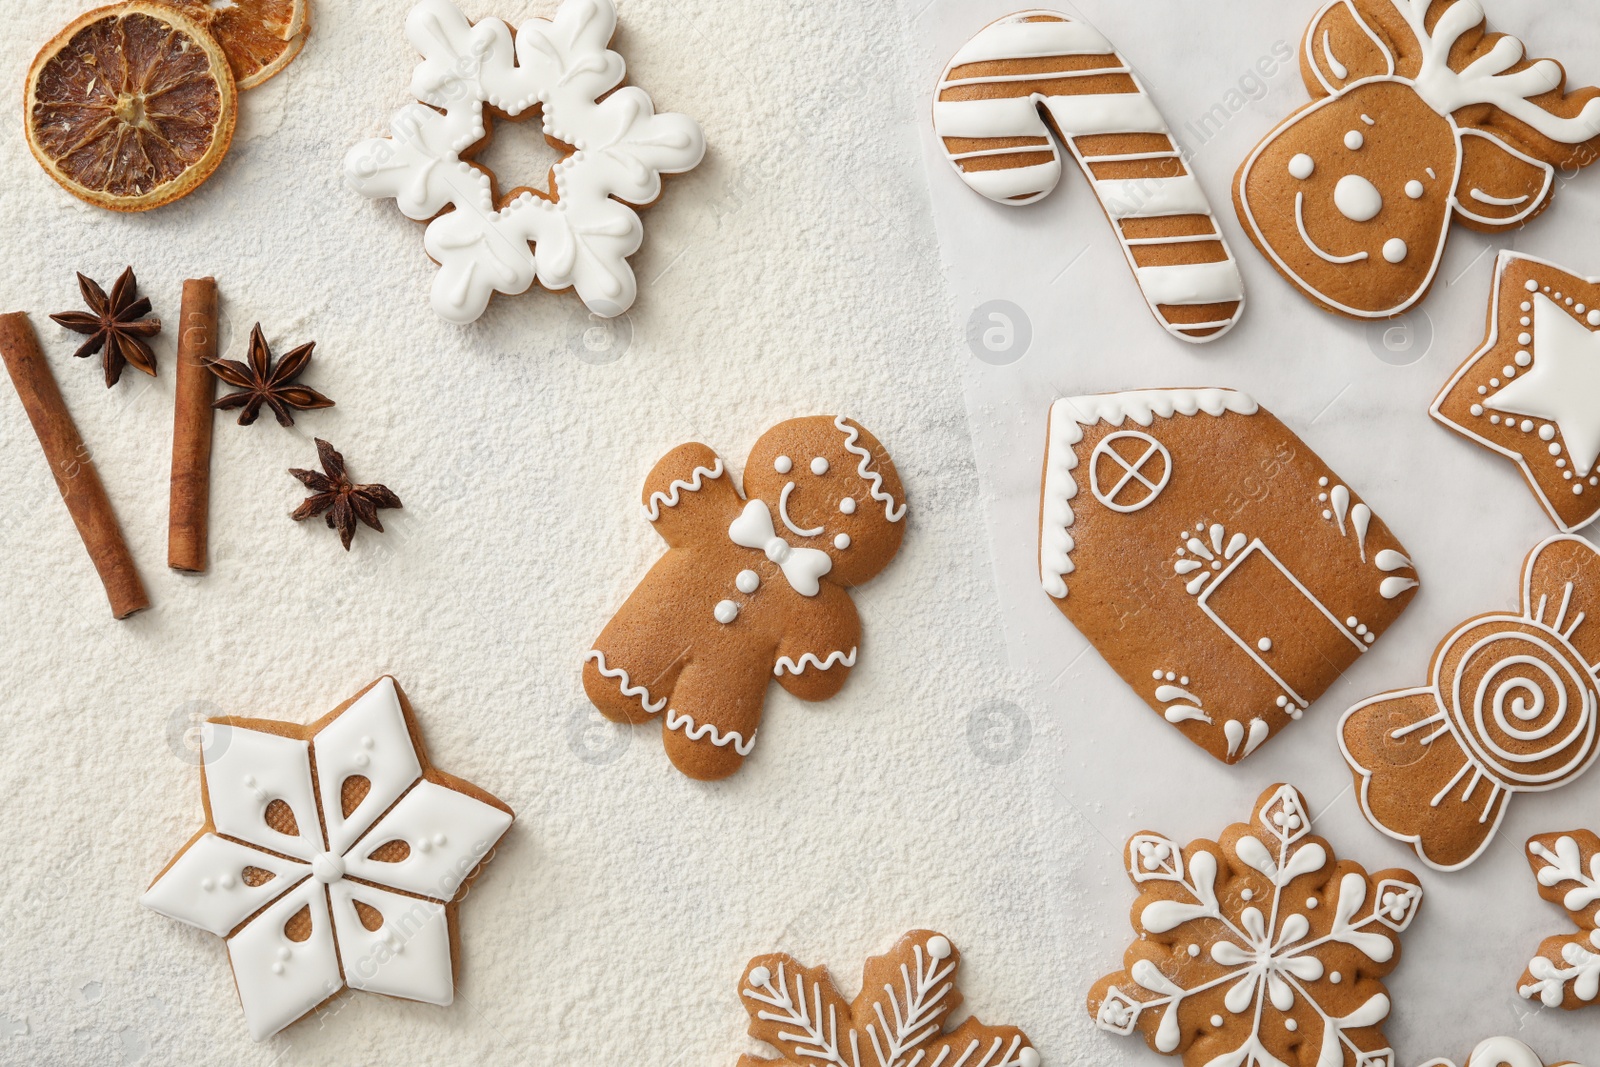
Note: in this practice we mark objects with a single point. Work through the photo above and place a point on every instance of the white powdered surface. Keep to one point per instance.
(795, 272)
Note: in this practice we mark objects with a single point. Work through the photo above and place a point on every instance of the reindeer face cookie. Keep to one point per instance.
(1512, 708)
(750, 589)
(1421, 118)
(1221, 568)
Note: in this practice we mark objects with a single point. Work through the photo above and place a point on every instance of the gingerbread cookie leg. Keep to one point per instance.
(987, 112)
(710, 723)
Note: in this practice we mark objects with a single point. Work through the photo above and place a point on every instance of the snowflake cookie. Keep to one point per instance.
(1566, 972)
(579, 234)
(1501, 1052)
(1511, 707)
(751, 590)
(1528, 392)
(898, 1019)
(331, 855)
(1259, 950)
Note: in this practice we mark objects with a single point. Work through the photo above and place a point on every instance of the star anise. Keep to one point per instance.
(262, 382)
(344, 501)
(116, 325)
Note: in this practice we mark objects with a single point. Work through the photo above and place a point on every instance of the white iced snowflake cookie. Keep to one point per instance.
(332, 855)
(582, 232)
(1501, 1052)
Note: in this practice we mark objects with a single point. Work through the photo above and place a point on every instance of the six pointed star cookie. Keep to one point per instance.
(1532, 391)
(1566, 972)
(1259, 948)
(332, 855)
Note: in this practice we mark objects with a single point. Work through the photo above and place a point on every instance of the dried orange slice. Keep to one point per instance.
(261, 37)
(130, 107)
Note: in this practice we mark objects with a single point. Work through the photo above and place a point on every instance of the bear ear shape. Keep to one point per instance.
(1500, 186)
(1341, 48)
(1561, 591)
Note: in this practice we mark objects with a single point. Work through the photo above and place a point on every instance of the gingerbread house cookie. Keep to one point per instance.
(1531, 392)
(1220, 567)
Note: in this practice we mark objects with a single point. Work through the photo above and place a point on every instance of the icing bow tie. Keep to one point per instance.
(801, 566)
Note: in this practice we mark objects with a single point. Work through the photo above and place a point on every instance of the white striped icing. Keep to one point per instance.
(670, 498)
(810, 658)
(1144, 198)
(1032, 40)
(1192, 283)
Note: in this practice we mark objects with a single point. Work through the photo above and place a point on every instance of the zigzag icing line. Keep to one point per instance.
(671, 497)
(627, 690)
(876, 489)
(784, 662)
(721, 740)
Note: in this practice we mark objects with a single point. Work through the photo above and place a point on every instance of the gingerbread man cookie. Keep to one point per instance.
(1420, 118)
(1511, 707)
(1530, 391)
(750, 589)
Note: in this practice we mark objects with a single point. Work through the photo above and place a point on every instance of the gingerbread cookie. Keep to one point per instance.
(577, 234)
(1036, 79)
(750, 590)
(1221, 568)
(1420, 117)
(1260, 948)
(331, 855)
(1511, 707)
(1501, 1052)
(1566, 972)
(1532, 391)
(899, 1019)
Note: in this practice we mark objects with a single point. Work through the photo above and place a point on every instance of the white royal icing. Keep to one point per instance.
(582, 237)
(1076, 115)
(671, 498)
(864, 470)
(810, 659)
(628, 690)
(707, 731)
(1068, 416)
(803, 568)
(448, 833)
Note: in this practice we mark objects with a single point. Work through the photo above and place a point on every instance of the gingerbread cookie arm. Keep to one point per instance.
(1566, 971)
(688, 495)
(814, 660)
(987, 113)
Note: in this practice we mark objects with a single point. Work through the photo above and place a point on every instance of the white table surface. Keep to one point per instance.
(974, 776)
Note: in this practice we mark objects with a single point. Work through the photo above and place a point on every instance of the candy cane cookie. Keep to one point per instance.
(1035, 79)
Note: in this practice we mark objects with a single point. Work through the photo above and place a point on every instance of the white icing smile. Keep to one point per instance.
(1300, 221)
(783, 513)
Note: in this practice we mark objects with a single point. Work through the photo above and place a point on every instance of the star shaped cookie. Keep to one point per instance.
(1532, 391)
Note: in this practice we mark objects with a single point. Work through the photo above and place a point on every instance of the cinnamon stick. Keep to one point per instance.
(71, 464)
(188, 510)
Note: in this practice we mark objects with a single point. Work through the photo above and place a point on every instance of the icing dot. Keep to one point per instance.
(1369, 638)
(1156, 675)
(1524, 339)
(1560, 463)
(938, 947)
(327, 867)
(1335, 977)
(1290, 1025)
(760, 976)
(1483, 390)
(283, 952)
(747, 582)
(1170, 676)
(725, 611)
(1526, 426)
(1524, 358)
(1394, 250)
(1357, 199)
(848, 505)
(424, 845)
(1495, 419)
(1477, 409)
(841, 542)
(1577, 490)
(226, 881)
(1194, 950)
(1532, 286)
(1526, 321)
(1216, 564)
(1216, 1020)
(1322, 481)
(1354, 140)
(1283, 701)
(1265, 644)
(1351, 621)
(1327, 514)
(1184, 680)
(362, 759)
(1558, 295)
(439, 839)
(1311, 903)
(1028, 1057)
(207, 884)
(1495, 382)
(1526, 306)
(1323, 497)
(1247, 894)
(1567, 475)
(1302, 166)
(277, 968)
(1594, 317)
(1414, 189)
(819, 465)
(1509, 371)
(783, 464)
(1555, 448)
(1362, 629)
